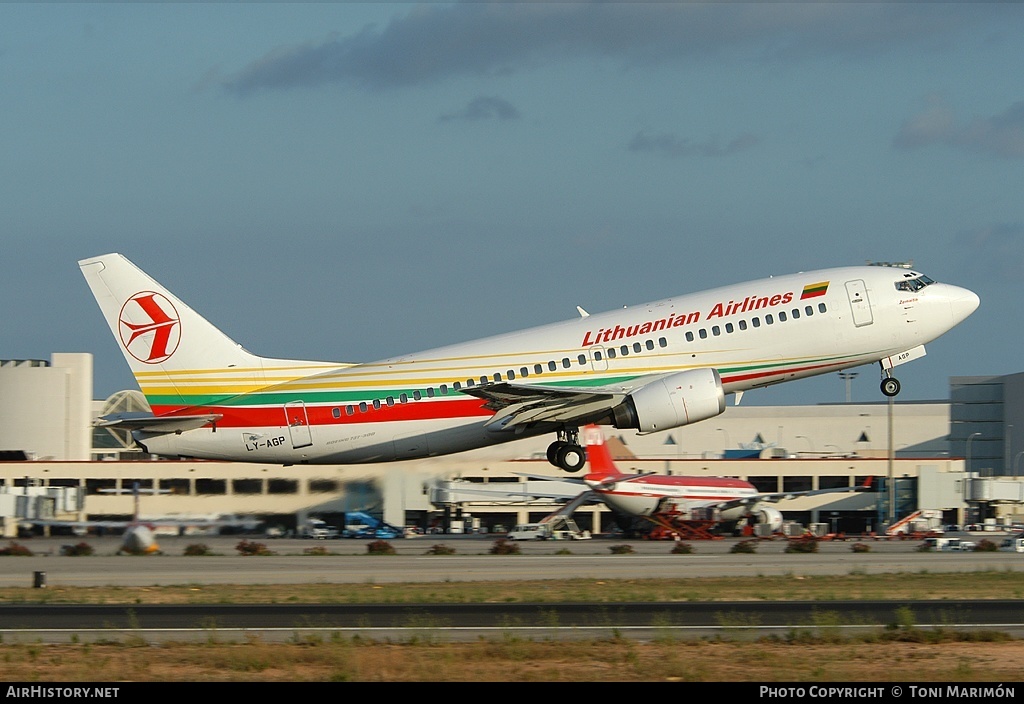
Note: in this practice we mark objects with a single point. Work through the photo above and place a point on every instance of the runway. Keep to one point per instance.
(62, 623)
(348, 561)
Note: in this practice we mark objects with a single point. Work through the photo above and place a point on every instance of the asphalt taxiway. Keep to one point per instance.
(470, 559)
(348, 561)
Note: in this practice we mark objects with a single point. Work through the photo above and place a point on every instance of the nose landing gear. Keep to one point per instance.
(890, 385)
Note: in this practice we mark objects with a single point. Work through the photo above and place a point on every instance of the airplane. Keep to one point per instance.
(648, 367)
(716, 501)
(139, 536)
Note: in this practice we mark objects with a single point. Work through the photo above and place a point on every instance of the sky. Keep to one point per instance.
(347, 181)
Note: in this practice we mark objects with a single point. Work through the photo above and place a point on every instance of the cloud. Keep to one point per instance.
(679, 148)
(1000, 135)
(435, 42)
(484, 108)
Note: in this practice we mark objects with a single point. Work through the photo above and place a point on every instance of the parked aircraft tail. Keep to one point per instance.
(179, 359)
(602, 467)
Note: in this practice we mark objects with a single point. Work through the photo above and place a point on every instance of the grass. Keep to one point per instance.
(804, 655)
(515, 660)
(792, 587)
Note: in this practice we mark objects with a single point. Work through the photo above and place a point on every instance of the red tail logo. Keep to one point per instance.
(150, 327)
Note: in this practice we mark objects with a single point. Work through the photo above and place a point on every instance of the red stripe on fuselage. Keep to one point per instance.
(701, 497)
(273, 416)
(732, 378)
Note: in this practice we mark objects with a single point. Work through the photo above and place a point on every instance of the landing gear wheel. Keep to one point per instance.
(553, 450)
(571, 457)
(890, 386)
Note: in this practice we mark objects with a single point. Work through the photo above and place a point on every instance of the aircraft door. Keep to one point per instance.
(859, 303)
(598, 360)
(411, 446)
(298, 424)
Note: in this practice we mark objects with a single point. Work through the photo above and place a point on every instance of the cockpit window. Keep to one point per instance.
(915, 284)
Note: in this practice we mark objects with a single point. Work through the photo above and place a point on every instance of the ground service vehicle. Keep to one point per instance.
(318, 530)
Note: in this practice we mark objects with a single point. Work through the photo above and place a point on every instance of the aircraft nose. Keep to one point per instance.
(962, 302)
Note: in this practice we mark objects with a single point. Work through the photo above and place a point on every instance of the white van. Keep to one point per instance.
(950, 544)
(530, 531)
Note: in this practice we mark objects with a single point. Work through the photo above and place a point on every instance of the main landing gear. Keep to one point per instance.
(890, 384)
(566, 452)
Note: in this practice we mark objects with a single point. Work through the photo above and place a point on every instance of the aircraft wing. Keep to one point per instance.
(784, 495)
(171, 522)
(156, 424)
(448, 492)
(54, 523)
(549, 478)
(521, 404)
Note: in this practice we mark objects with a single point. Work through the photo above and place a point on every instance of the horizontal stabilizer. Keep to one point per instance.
(149, 423)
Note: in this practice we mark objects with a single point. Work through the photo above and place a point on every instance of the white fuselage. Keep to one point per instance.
(754, 334)
(647, 496)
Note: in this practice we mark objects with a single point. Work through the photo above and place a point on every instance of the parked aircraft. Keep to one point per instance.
(139, 536)
(715, 500)
(649, 367)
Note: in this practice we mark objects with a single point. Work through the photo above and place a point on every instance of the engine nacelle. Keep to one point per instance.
(766, 515)
(671, 401)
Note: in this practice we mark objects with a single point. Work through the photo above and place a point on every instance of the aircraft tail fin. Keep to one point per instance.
(602, 467)
(179, 359)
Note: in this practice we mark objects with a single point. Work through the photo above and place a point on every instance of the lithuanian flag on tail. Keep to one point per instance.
(814, 290)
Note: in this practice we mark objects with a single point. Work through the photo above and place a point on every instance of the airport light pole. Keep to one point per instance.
(809, 443)
(1015, 463)
(967, 475)
(1006, 452)
(968, 458)
(848, 377)
(726, 434)
(889, 461)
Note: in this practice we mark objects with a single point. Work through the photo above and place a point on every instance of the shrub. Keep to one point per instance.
(802, 545)
(924, 547)
(380, 547)
(250, 547)
(77, 550)
(746, 546)
(860, 547)
(504, 546)
(623, 549)
(441, 549)
(16, 549)
(316, 550)
(682, 549)
(985, 545)
(196, 549)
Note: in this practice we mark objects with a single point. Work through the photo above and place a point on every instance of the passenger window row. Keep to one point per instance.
(581, 360)
(511, 374)
(755, 322)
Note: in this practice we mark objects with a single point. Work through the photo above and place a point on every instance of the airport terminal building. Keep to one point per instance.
(958, 458)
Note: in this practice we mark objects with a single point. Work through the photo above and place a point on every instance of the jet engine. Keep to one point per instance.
(766, 515)
(671, 401)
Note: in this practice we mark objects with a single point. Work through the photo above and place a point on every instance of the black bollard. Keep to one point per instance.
(38, 580)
